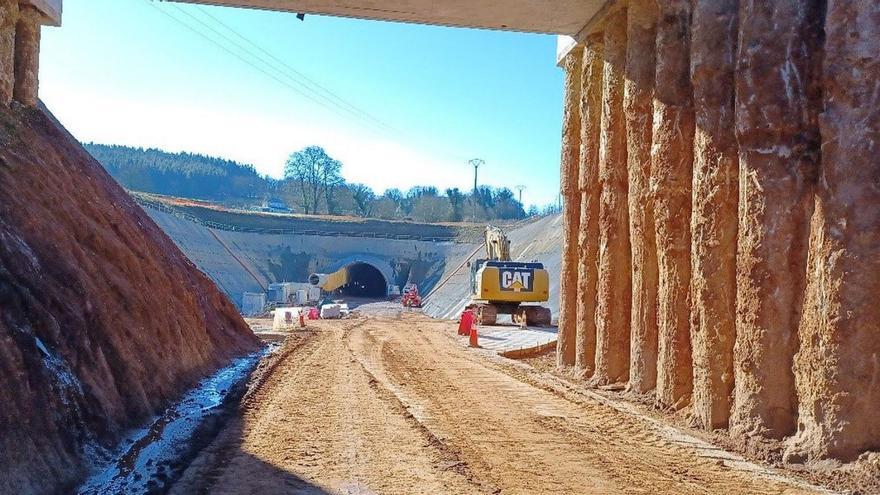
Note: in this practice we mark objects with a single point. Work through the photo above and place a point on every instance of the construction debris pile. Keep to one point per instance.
(722, 215)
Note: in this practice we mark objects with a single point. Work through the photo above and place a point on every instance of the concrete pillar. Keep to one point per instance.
(776, 124)
(588, 240)
(714, 215)
(672, 170)
(8, 19)
(27, 56)
(571, 136)
(614, 290)
(637, 103)
(838, 366)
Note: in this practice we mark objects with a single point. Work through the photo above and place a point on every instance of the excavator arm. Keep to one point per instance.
(497, 244)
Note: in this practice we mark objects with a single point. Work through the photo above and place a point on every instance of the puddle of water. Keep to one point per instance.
(150, 457)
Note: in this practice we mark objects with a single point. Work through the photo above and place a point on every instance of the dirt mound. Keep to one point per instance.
(103, 320)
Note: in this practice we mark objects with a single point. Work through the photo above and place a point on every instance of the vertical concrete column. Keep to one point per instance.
(27, 56)
(588, 239)
(638, 97)
(8, 19)
(672, 171)
(776, 127)
(614, 290)
(571, 206)
(714, 215)
(838, 366)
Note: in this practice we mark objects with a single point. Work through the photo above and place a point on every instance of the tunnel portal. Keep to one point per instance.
(365, 280)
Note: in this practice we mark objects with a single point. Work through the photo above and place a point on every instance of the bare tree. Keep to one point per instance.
(364, 199)
(316, 174)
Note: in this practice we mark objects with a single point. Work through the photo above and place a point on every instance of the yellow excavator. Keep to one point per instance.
(500, 285)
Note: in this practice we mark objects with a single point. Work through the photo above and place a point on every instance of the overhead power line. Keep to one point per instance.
(315, 91)
(282, 72)
(317, 86)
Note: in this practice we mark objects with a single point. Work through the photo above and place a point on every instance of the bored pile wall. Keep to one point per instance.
(763, 194)
(240, 262)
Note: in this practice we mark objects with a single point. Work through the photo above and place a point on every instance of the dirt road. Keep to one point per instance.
(388, 404)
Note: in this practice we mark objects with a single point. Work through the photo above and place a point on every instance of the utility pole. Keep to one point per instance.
(520, 189)
(476, 162)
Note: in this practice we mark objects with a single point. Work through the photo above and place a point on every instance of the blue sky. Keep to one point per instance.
(125, 72)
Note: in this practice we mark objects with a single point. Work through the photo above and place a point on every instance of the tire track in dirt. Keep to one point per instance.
(319, 424)
(526, 439)
(394, 405)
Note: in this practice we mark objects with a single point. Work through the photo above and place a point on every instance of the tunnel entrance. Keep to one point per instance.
(365, 280)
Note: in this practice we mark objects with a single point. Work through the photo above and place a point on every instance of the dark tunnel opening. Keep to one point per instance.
(364, 280)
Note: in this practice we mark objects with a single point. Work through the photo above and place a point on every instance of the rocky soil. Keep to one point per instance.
(103, 321)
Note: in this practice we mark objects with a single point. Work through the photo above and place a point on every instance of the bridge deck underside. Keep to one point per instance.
(566, 17)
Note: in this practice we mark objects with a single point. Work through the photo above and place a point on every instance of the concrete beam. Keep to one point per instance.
(564, 17)
(49, 9)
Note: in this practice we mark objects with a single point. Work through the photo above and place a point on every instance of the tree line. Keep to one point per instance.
(312, 184)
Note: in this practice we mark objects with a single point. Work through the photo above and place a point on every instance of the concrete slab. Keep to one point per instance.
(512, 340)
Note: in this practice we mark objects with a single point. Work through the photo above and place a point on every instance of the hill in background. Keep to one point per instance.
(232, 184)
(183, 175)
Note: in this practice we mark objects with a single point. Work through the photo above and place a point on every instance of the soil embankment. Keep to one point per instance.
(103, 321)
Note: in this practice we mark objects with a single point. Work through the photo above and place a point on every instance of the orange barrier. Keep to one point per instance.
(466, 322)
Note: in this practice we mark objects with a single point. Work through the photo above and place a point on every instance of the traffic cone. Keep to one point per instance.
(474, 336)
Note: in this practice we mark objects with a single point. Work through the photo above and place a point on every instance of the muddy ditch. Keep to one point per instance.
(151, 458)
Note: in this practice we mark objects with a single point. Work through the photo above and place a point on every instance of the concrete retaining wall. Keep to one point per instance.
(240, 262)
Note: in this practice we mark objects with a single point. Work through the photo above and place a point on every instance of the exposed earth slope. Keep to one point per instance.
(103, 320)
